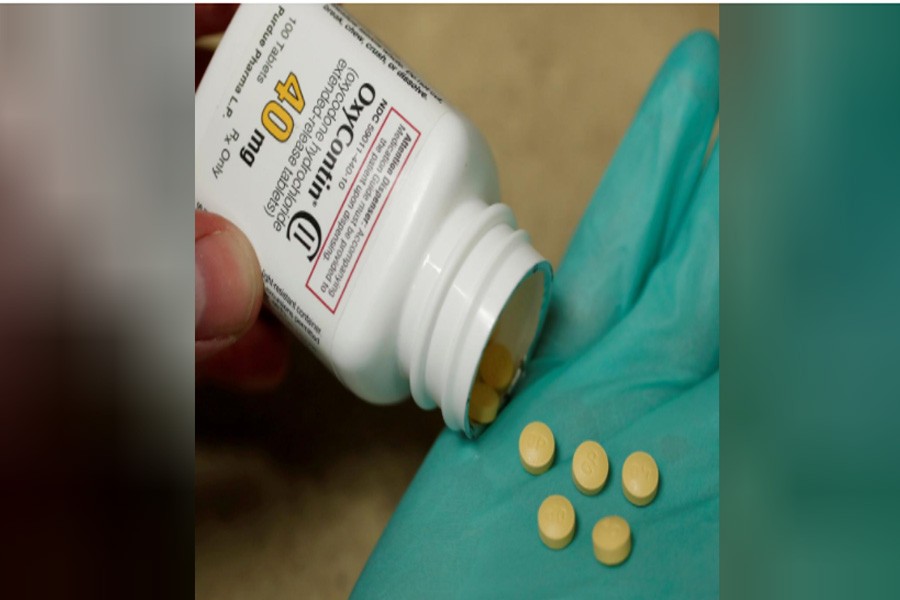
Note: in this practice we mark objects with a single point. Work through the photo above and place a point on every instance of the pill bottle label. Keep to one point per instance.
(311, 123)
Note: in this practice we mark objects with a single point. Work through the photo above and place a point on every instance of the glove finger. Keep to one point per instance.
(639, 202)
(671, 337)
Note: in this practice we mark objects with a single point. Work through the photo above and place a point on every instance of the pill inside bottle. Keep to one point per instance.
(495, 373)
(484, 403)
(503, 355)
(497, 368)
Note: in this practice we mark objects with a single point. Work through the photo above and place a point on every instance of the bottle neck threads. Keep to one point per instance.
(480, 280)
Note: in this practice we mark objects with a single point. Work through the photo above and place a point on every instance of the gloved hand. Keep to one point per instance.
(630, 358)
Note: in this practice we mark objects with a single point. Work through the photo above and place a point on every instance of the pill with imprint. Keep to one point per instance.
(536, 447)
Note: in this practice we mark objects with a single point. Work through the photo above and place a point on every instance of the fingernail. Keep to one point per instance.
(228, 285)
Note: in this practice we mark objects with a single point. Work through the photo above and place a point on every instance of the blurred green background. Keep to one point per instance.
(810, 346)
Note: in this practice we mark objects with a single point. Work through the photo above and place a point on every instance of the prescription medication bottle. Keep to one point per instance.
(372, 206)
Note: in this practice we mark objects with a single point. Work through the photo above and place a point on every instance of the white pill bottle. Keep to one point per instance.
(372, 206)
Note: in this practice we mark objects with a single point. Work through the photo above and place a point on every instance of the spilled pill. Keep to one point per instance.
(590, 467)
(612, 540)
(536, 447)
(556, 522)
(640, 478)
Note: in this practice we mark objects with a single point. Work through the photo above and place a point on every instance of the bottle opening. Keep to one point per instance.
(486, 305)
(508, 348)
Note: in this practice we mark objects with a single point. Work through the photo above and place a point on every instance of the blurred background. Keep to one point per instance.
(294, 488)
(96, 356)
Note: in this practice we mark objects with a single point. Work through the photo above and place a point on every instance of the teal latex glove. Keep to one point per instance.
(629, 358)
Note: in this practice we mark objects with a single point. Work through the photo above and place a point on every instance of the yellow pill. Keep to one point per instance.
(612, 540)
(497, 368)
(556, 522)
(536, 447)
(590, 468)
(640, 478)
(484, 402)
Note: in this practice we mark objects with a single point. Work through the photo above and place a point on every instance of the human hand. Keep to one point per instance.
(630, 358)
(234, 343)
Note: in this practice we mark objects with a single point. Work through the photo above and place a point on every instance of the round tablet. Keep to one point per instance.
(484, 401)
(536, 447)
(640, 478)
(590, 467)
(612, 540)
(496, 368)
(556, 521)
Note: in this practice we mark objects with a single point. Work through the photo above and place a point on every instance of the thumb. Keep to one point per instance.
(228, 284)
